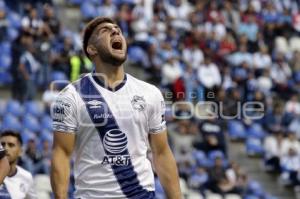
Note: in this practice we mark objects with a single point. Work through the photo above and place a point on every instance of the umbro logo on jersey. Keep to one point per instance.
(94, 104)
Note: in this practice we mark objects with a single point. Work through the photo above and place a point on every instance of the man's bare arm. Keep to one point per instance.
(165, 165)
(4, 168)
(60, 165)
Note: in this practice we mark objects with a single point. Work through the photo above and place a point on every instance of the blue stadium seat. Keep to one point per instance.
(5, 48)
(5, 62)
(255, 189)
(256, 131)
(14, 107)
(236, 130)
(159, 191)
(31, 123)
(58, 76)
(5, 78)
(200, 158)
(13, 33)
(46, 135)
(11, 122)
(136, 54)
(27, 135)
(33, 108)
(254, 147)
(46, 123)
(88, 10)
(14, 19)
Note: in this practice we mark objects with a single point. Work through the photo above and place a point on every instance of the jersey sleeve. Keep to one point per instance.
(63, 112)
(157, 121)
(31, 194)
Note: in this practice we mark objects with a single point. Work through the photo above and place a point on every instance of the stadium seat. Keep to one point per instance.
(256, 131)
(5, 78)
(46, 123)
(46, 135)
(58, 76)
(251, 197)
(5, 48)
(31, 123)
(236, 130)
(254, 147)
(5, 62)
(14, 19)
(11, 122)
(159, 191)
(255, 189)
(27, 135)
(14, 107)
(33, 108)
(136, 54)
(200, 158)
(281, 44)
(88, 10)
(13, 33)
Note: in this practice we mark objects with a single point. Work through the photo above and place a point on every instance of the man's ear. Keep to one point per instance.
(91, 50)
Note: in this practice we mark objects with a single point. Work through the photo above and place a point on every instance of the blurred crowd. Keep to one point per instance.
(226, 52)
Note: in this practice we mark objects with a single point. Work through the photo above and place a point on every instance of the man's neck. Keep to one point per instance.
(111, 75)
(13, 170)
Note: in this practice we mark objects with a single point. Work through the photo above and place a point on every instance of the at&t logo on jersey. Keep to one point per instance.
(115, 142)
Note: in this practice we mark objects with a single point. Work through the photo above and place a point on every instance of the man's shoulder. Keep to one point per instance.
(145, 86)
(23, 173)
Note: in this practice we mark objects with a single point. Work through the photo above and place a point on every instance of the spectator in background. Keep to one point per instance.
(50, 20)
(231, 16)
(17, 48)
(281, 73)
(219, 180)
(61, 59)
(273, 151)
(261, 60)
(19, 182)
(294, 126)
(108, 9)
(209, 76)
(290, 163)
(212, 134)
(29, 67)
(32, 23)
(292, 106)
(3, 24)
(193, 56)
(32, 157)
(290, 142)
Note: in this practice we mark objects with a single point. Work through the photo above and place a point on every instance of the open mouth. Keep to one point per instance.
(117, 45)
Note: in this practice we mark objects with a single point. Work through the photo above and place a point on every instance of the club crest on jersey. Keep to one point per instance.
(94, 104)
(138, 103)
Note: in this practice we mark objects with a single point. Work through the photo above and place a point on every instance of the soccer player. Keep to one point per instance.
(19, 182)
(111, 121)
(4, 165)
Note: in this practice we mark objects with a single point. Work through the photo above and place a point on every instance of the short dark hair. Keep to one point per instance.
(13, 134)
(89, 29)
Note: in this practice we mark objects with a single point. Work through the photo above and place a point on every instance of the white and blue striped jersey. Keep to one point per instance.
(18, 186)
(111, 130)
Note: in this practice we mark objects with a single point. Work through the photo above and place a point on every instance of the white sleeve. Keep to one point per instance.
(63, 111)
(31, 194)
(157, 121)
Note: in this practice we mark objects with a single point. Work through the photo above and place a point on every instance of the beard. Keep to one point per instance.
(108, 57)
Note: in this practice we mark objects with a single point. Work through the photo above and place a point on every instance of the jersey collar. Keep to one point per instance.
(102, 83)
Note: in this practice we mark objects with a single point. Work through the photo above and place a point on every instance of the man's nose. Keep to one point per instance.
(115, 31)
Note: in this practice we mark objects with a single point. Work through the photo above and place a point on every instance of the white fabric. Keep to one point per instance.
(209, 75)
(20, 185)
(94, 178)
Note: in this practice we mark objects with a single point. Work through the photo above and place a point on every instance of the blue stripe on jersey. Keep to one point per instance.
(4, 194)
(109, 130)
